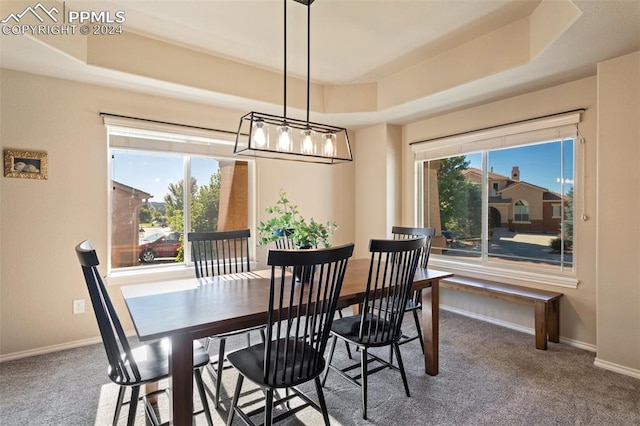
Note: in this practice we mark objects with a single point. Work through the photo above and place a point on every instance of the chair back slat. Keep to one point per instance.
(122, 365)
(391, 271)
(403, 232)
(285, 242)
(300, 312)
(219, 253)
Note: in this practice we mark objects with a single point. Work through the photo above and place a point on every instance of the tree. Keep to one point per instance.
(205, 205)
(568, 217)
(144, 215)
(174, 203)
(460, 200)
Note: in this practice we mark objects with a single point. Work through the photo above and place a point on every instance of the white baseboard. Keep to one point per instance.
(617, 368)
(49, 349)
(56, 348)
(529, 330)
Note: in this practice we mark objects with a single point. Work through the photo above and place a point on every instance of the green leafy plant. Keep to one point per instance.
(286, 220)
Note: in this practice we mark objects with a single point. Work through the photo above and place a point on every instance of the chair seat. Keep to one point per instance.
(411, 305)
(349, 328)
(153, 362)
(237, 332)
(250, 362)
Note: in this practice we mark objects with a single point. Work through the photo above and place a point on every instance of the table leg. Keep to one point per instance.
(430, 327)
(181, 380)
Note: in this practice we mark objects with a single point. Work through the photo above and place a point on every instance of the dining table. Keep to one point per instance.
(186, 309)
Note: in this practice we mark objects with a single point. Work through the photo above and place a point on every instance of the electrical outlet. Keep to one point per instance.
(78, 306)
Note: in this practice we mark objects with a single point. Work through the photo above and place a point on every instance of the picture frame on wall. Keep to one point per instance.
(26, 164)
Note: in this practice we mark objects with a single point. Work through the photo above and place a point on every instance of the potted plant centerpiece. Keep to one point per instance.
(286, 222)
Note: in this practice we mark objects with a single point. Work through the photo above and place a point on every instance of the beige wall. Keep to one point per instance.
(42, 221)
(618, 252)
(377, 177)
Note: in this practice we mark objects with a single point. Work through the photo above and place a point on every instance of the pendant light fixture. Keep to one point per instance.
(270, 136)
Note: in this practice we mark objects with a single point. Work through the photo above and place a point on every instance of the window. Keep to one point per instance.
(521, 211)
(501, 202)
(164, 185)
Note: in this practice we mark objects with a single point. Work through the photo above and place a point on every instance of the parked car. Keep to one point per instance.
(159, 245)
(449, 237)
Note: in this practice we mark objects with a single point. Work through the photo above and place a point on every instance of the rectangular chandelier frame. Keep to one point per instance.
(297, 150)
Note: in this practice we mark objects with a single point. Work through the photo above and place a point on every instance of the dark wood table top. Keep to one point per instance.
(208, 306)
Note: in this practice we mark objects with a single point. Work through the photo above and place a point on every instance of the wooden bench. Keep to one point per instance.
(546, 304)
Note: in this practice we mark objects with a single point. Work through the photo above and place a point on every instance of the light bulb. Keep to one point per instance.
(328, 150)
(284, 138)
(260, 134)
(308, 142)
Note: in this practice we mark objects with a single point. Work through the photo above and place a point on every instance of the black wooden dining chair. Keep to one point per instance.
(391, 272)
(414, 304)
(299, 321)
(221, 253)
(132, 367)
(285, 242)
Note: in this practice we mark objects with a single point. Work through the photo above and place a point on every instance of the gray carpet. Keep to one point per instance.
(488, 375)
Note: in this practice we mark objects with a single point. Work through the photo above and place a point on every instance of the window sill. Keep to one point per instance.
(145, 275)
(148, 275)
(505, 275)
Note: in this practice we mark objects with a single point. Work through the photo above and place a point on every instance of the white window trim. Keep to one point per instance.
(140, 135)
(545, 129)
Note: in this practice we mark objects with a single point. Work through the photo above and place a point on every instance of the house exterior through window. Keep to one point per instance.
(507, 202)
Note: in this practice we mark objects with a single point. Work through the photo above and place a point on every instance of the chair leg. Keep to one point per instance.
(268, 408)
(363, 366)
(151, 414)
(323, 404)
(329, 358)
(221, 348)
(197, 375)
(396, 348)
(345, 343)
(118, 405)
(133, 405)
(234, 402)
(418, 329)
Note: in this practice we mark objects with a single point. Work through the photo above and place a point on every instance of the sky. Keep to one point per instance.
(538, 164)
(153, 173)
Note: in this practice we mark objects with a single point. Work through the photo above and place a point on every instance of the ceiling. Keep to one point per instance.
(352, 42)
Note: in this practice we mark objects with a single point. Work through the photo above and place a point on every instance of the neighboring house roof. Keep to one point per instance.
(492, 176)
(134, 191)
(551, 196)
(513, 185)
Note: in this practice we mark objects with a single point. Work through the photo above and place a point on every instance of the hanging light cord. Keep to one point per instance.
(285, 61)
(308, 55)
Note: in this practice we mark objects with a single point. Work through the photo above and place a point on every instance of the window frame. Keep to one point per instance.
(545, 129)
(524, 205)
(156, 137)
